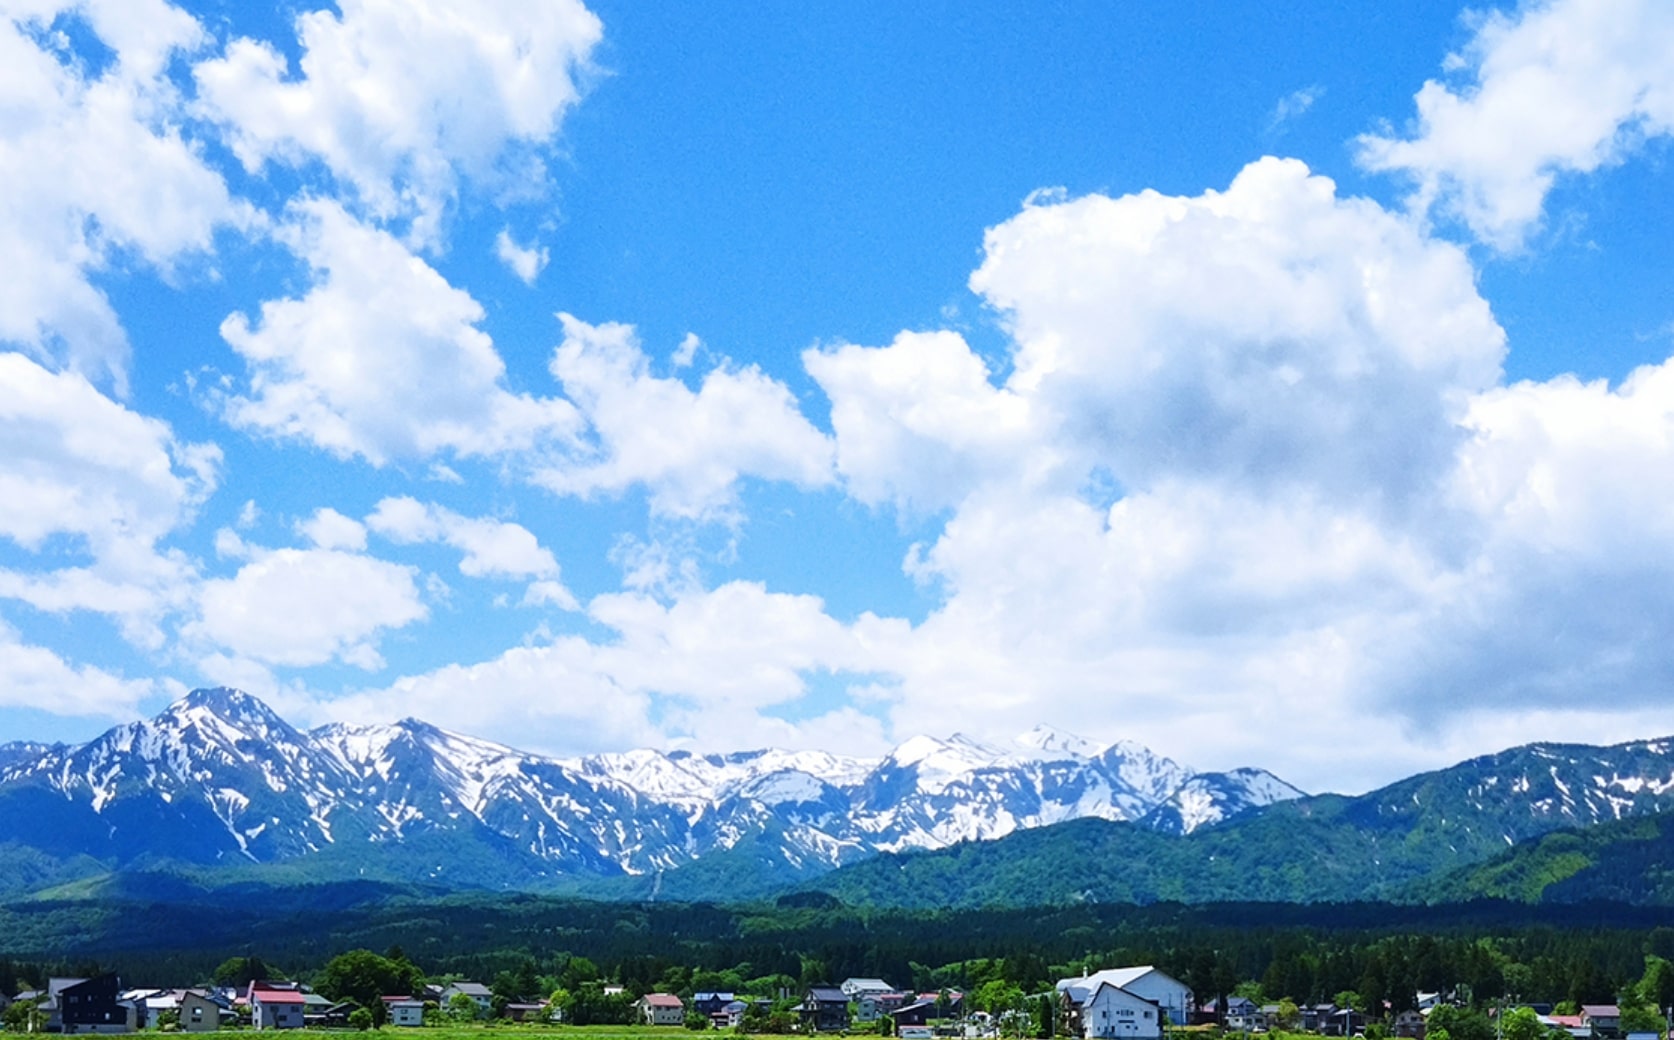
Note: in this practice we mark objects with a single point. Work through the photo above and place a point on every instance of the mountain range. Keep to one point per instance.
(218, 781)
(1538, 823)
(219, 790)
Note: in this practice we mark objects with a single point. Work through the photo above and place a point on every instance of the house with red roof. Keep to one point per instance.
(276, 1005)
(662, 1009)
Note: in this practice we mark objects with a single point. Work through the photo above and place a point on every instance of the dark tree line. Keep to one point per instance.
(1310, 954)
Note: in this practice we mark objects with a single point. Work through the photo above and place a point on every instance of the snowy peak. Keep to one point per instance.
(1050, 741)
(1208, 799)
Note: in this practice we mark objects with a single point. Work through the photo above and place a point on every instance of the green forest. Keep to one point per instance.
(564, 951)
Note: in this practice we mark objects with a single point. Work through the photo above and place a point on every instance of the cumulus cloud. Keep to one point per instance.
(1271, 334)
(381, 358)
(329, 529)
(920, 424)
(95, 166)
(1569, 576)
(492, 548)
(1559, 87)
(399, 98)
(527, 262)
(689, 448)
(1313, 496)
(301, 607)
(36, 677)
(712, 665)
(77, 465)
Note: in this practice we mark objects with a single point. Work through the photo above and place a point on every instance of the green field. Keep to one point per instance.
(456, 1031)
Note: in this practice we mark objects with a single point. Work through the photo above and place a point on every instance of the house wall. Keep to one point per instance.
(1114, 1013)
(664, 1016)
(198, 1015)
(1174, 996)
(276, 1016)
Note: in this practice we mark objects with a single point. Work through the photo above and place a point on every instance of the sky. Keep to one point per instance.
(1287, 388)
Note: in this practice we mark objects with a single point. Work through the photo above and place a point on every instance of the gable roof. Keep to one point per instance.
(278, 996)
(827, 995)
(1117, 989)
(662, 1000)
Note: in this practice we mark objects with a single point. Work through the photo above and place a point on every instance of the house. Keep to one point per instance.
(482, 995)
(1343, 1022)
(730, 1015)
(853, 988)
(1602, 1020)
(1574, 1025)
(1171, 995)
(707, 1004)
(334, 1016)
(198, 1014)
(1113, 1012)
(824, 1009)
(523, 1011)
(404, 1010)
(871, 1006)
(661, 1009)
(48, 1003)
(1408, 1024)
(96, 1006)
(275, 1005)
(1315, 1017)
(918, 1013)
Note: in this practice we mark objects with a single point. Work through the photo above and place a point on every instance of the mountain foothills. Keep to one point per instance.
(219, 790)
(218, 780)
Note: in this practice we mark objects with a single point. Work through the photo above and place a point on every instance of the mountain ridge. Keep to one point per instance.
(218, 777)
(1393, 843)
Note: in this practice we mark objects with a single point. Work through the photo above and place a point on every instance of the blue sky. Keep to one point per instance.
(1233, 380)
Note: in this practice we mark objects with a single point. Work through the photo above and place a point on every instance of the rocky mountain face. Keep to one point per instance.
(219, 778)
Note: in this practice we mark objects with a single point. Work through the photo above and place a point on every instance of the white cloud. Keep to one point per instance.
(94, 166)
(1325, 505)
(1272, 334)
(1568, 577)
(398, 98)
(689, 448)
(492, 548)
(919, 423)
(1560, 87)
(1293, 106)
(686, 352)
(717, 663)
(329, 529)
(36, 677)
(382, 358)
(300, 607)
(76, 465)
(527, 262)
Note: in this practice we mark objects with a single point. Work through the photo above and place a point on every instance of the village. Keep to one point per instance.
(1127, 1003)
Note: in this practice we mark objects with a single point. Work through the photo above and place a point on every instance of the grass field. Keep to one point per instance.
(455, 1031)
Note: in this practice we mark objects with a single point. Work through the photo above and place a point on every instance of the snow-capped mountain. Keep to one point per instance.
(219, 777)
(1210, 798)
